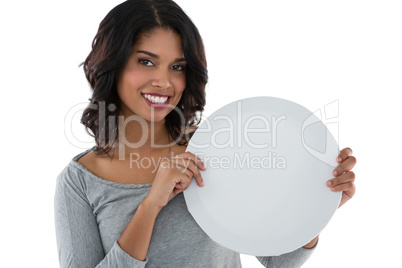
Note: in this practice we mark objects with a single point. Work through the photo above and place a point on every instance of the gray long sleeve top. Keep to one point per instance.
(91, 213)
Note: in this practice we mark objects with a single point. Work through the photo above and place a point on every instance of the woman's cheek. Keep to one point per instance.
(137, 78)
(180, 83)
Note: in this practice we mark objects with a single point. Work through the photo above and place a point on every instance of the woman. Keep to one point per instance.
(120, 204)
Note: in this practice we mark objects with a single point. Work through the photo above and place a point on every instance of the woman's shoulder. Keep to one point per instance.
(76, 176)
(70, 181)
(72, 172)
(95, 170)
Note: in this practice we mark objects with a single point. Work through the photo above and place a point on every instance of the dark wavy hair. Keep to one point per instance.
(117, 34)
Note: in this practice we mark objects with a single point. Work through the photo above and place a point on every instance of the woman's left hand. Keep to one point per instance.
(344, 177)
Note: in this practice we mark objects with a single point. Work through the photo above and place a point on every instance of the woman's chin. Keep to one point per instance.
(156, 119)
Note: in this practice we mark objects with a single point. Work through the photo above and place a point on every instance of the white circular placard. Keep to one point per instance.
(268, 160)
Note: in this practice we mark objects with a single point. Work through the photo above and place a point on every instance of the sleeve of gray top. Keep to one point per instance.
(293, 259)
(77, 234)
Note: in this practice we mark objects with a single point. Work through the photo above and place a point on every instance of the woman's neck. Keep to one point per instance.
(141, 138)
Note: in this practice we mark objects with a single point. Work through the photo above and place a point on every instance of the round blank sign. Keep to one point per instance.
(268, 160)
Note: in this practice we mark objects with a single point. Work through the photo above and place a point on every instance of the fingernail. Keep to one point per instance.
(335, 173)
(339, 159)
(202, 183)
(329, 183)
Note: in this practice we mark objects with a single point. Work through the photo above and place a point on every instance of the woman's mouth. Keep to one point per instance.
(157, 102)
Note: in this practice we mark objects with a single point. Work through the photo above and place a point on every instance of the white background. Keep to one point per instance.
(309, 52)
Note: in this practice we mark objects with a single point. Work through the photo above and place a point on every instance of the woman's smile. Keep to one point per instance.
(155, 101)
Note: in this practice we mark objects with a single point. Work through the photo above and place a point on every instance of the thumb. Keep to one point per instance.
(178, 188)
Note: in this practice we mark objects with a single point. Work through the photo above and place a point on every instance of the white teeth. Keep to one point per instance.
(156, 99)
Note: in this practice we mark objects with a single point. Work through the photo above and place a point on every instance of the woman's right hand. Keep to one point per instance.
(173, 177)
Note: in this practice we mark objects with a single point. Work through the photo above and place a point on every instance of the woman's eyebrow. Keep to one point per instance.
(157, 57)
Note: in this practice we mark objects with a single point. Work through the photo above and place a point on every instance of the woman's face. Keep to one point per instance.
(156, 67)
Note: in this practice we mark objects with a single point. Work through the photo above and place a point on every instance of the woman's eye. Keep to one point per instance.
(178, 67)
(145, 62)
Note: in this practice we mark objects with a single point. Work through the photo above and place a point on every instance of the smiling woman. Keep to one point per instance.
(140, 56)
(147, 70)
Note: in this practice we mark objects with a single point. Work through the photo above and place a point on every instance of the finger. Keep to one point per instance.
(195, 158)
(345, 178)
(349, 188)
(345, 166)
(189, 174)
(344, 154)
(189, 165)
(177, 191)
(178, 186)
(183, 168)
(196, 173)
(179, 164)
(183, 184)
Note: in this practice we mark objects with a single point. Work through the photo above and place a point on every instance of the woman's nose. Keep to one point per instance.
(162, 80)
